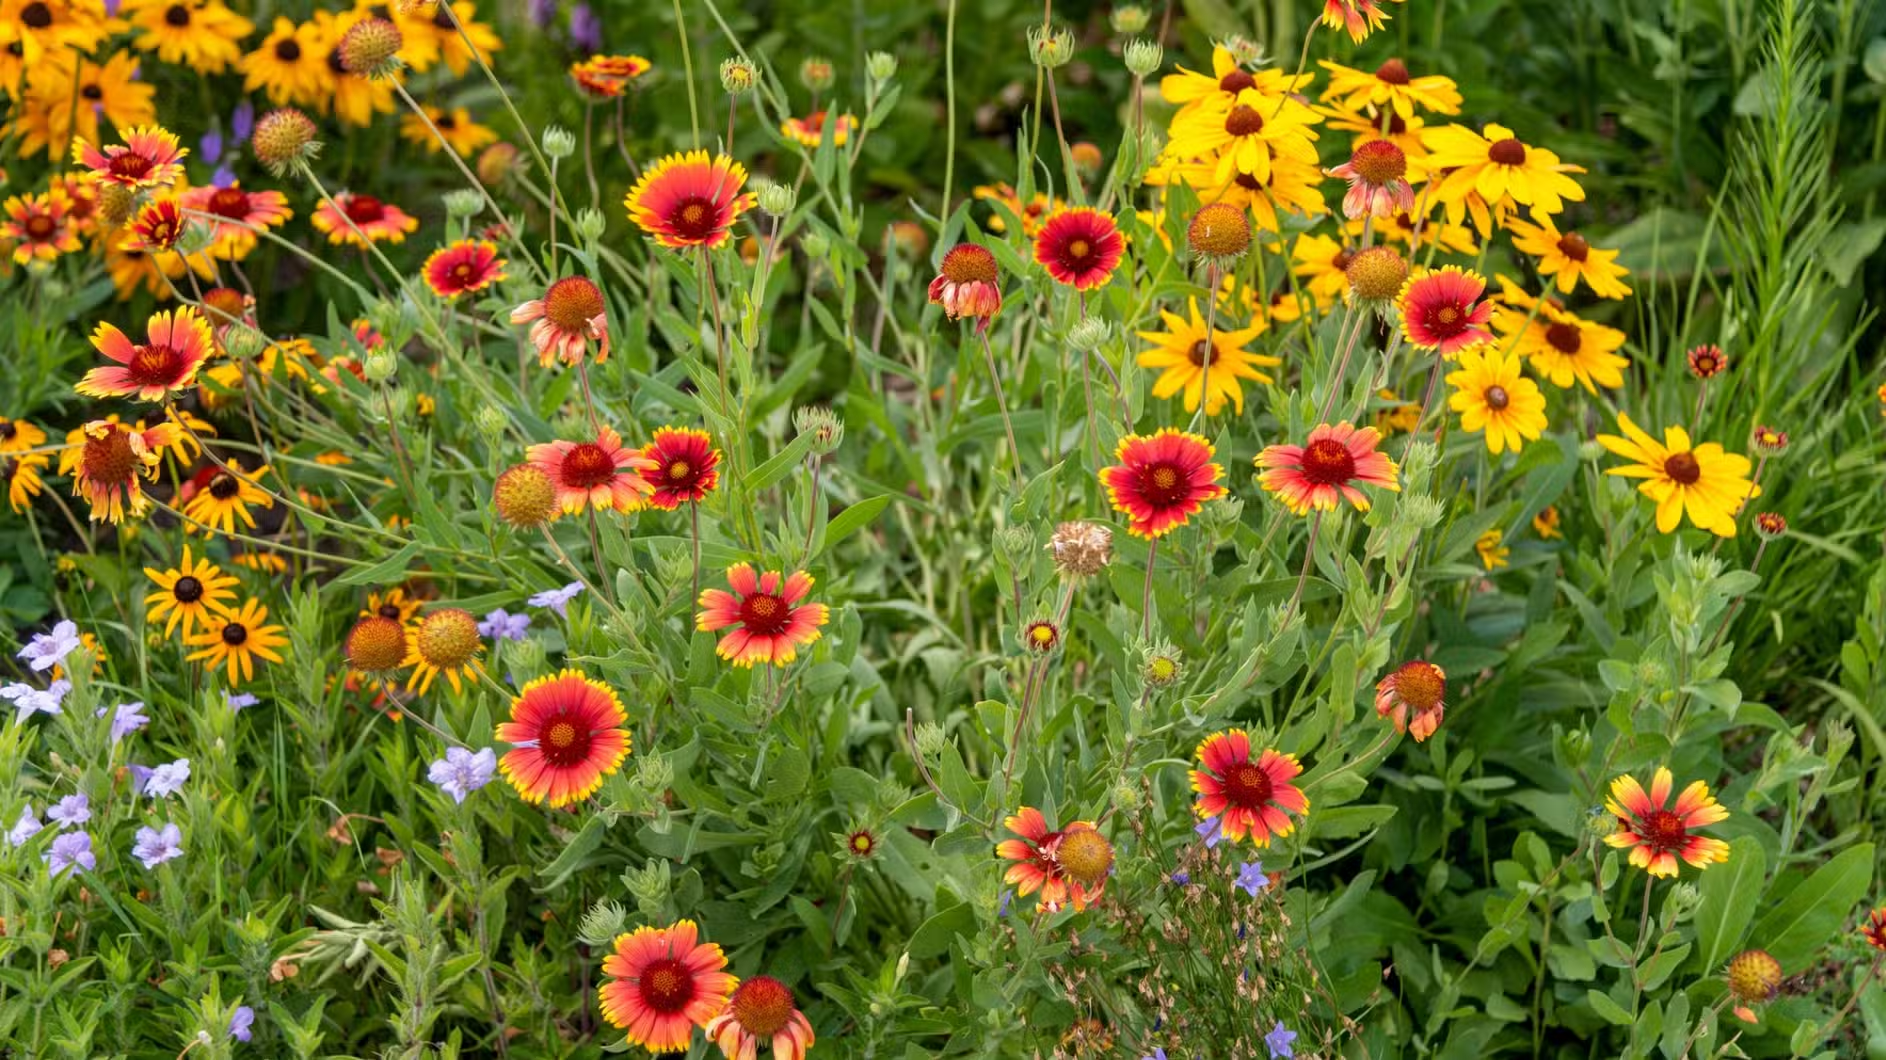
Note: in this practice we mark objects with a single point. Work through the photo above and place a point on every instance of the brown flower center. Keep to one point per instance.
(40, 227)
(1564, 338)
(588, 466)
(666, 985)
(572, 302)
(694, 217)
(765, 613)
(1508, 152)
(1327, 462)
(1421, 685)
(235, 634)
(969, 263)
(1379, 162)
(36, 15)
(1200, 354)
(155, 365)
(1244, 120)
(177, 15)
(1497, 398)
(224, 486)
(1248, 786)
(187, 590)
(287, 50)
(92, 92)
(129, 164)
(1392, 72)
(109, 460)
(1573, 246)
(1236, 81)
(1682, 468)
(392, 611)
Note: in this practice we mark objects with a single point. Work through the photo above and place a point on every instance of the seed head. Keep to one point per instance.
(447, 638)
(1378, 162)
(1376, 274)
(115, 202)
(370, 47)
(1081, 550)
(1754, 977)
(376, 645)
(284, 138)
(1219, 232)
(1086, 856)
(525, 497)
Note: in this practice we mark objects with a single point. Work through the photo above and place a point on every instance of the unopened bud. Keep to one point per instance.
(559, 143)
(816, 73)
(590, 224)
(1143, 57)
(1090, 334)
(381, 366)
(822, 424)
(1050, 48)
(490, 421)
(881, 66)
(463, 202)
(776, 199)
(931, 739)
(737, 75)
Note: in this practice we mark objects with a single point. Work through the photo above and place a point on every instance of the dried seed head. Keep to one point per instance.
(1081, 550)
(283, 138)
(376, 645)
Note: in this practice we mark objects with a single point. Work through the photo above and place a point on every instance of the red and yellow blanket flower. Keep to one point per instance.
(966, 284)
(1417, 686)
(565, 320)
(235, 213)
(1079, 247)
(1657, 832)
(603, 474)
(566, 732)
(688, 200)
(1246, 796)
(1069, 865)
(686, 467)
(761, 1011)
(1705, 481)
(39, 226)
(465, 266)
(809, 131)
(349, 216)
(150, 157)
(1441, 310)
(770, 618)
(663, 983)
(175, 346)
(109, 462)
(1327, 468)
(1162, 480)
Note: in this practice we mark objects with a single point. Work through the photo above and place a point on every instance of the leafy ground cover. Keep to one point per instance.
(963, 529)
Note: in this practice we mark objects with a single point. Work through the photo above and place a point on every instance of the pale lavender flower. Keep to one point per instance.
(70, 812)
(126, 719)
(210, 147)
(47, 650)
(1278, 1042)
(71, 848)
(1251, 877)
(541, 12)
(503, 625)
(239, 701)
(29, 700)
(1181, 878)
(153, 847)
(1210, 831)
(557, 600)
(25, 828)
(166, 780)
(1001, 907)
(1158, 1054)
(461, 772)
(240, 1022)
(242, 121)
(585, 28)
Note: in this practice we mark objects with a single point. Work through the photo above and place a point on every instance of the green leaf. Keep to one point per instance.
(932, 939)
(1609, 1010)
(575, 854)
(1729, 895)
(1796, 930)
(390, 570)
(853, 519)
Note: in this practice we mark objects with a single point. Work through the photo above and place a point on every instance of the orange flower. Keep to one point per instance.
(567, 735)
(1440, 310)
(762, 1010)
(687, 201)
(148, 158)
(966, 284)
(1040, 864)
(602, 474)
(1161, 481)
(151, 371)
(1657, 833)
(347, 217)
(466, 266)
(238, 214)
(809, 131)
(567, 317)
(110, 463)
(1874, 930)
(663, 983)
(1327, 468)
(1080, 247)
(39, 226)
(1419, 686)
(1246, 797)
(773, 622)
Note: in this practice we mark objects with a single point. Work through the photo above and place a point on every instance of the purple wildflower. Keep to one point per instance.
(47, 650)
(70, 812)
(585, 28)
(166, 780)
(240, 1022)
(557, 600)
(153, 847)
(1210, 831)
(503, 625)
(29, 700)
(1278, 1042)
(71, 848)
(1251, 877)
(126, 718)
(239, 700)
(541, 12)
(25, 828)
(461, 772)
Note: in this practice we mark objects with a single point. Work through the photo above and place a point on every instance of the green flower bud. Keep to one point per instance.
(491, 422)
(737, 75)
(559, 143)
(816, 73)
(604, 921)
(243, 342)
(881, 66)
(1129, 19)
(822, 424)
(776, 199)
(381, 366)
(931, 739)
(1143, 57)
(816, 243)
(463, 202)
(1017, 541)
(1050, 47)
(590, 224)
(1090, 334)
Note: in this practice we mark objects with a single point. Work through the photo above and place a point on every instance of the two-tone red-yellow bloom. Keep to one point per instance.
(1707, 482)
(111, 461)
(1418, 686)
(464, 266)
(566, 319)
(1657, 832)
(1377, 172)
(347, 217)
(810, 130)
(1039, 864)
(566, 732)
(175, 346)
(1080, 247)
(1441, 310)
(1247, 796)
(1874, 930)
(1162, 480)
(1327, 468)
(761, 1010)
(686, 467)
(603, 77)
(770, 618)
(603, 474)
(238, 213)
(1359, 17)
(663, 983)
(965, 284)
(688, 200)
(39, 226)
(150, 157)
(1490, 176)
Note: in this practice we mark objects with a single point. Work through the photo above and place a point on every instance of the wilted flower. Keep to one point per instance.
(1418, 686)
(1081, 550)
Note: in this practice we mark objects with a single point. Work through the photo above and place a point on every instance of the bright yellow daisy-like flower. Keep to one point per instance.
(18, 436)
(290, 65)
(234, 639)
(1564, 348)
(1181, 352)
(1245, 133)
(191, 594)
(43, 27)
(1704, 481)
(1491, 547)
(59, 105)
(1494, 174)
(206, 37)
(456, 125)
(1227, 80)
(22, 471)
(1320, 264)
(225, 499)
(442, 31)
(1492, 396)
(1389, 85)
(1292, 186)
(1568, 258)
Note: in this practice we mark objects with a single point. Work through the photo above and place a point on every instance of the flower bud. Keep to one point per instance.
(1041, 636)
(1421, 510)
(1770, 525)
(590, 224)
(242, 342)
(1768, 441)
(381, 366)
(1090, 334)
(816, 73)
(1129, 19)
(931, 739)
(776, 199)
(1161, 665)
(1244, 51)
(1143, 57)
(822, 424)
(881, 66)
(1016, 541)
(649, 885)
(462, 203)
(737, 75)
(491, 422)
(1050, 47)
(559, 143)
(604, 921)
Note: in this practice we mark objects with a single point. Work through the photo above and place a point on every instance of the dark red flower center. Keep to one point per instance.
(588, 466)
(1244, 120)
(109, 460)
(762, 1005)
(1393, 72)
(287, 50)
(229, 202)
(187, 590)
(1247, 182)
(442, 17)
(335, 64)
(765, 613)
(129, 164)
(1497, 398)
(8, 429)
(1200, 353)
(155, 365)
(572, 302)
(1396, 125)
(224, 486)
(1682, 468)
(1342, 259)
(391, 611)
(235, 634)
(36, 15)
(40, 226)
(1164, 485)
(565, 741)
(364, 209)
(1508, 152)
(694, 217)
(667, 985)
(177, 15)
(1564, 338)
(1248, 786)
(1447, 319)
(1327, 462)
(1573, 246)
(1236, 81)
(446, 122)
(1664, 830)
